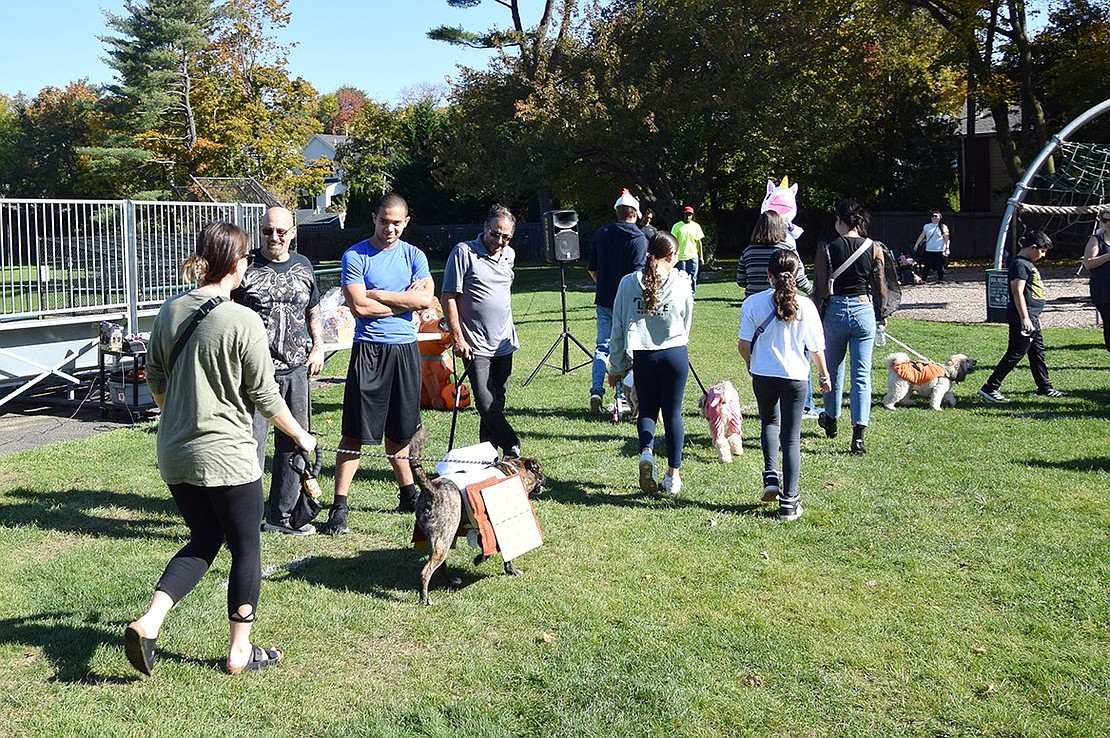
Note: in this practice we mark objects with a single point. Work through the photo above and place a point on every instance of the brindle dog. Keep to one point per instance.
(439, 508)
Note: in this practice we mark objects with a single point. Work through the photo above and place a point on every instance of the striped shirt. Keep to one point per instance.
(751, 270)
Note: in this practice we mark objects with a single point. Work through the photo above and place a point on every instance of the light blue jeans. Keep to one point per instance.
(849, 329)
(601, 350)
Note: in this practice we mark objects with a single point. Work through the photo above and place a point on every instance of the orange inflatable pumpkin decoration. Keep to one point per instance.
(437, 390)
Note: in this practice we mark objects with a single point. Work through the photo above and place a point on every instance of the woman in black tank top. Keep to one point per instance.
(849, 318)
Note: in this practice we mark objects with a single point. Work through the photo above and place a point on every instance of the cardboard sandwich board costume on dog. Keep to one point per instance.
(496, 508)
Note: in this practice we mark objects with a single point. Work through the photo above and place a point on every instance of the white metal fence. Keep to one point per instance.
(65, 265)
(65, 257)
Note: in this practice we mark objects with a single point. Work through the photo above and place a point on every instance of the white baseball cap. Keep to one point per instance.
(626, 198)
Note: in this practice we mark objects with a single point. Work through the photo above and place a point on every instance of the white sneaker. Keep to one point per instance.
(809, 414)
(647, 472)
(672, 485)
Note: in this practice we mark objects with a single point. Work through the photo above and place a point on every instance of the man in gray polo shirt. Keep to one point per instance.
(477, 303)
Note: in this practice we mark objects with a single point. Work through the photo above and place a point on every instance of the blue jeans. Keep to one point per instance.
(690, 266)
(601, 351)
(849, 328)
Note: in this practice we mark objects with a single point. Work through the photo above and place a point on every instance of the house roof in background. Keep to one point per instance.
(984, 121)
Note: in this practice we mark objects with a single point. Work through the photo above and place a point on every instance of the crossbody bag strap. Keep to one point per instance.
(867, 243)
(183, 338)
(760, 329)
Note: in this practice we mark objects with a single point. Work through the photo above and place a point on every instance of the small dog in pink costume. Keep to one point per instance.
(721, 407)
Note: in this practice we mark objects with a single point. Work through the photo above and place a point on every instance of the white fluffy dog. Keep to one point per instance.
(721, 407)
(925, 378)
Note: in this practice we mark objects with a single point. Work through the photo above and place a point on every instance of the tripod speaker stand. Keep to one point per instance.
(564, 339)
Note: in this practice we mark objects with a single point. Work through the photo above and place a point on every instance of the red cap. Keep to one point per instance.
(688, 209)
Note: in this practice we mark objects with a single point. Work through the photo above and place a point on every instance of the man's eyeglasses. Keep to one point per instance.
(1105, 218)
(496, 236)
(281, 232)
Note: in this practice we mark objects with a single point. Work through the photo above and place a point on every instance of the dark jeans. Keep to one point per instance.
(1019, 345)
(691, 267)
(660, 379)
(489, 378)
(780, 404)
(284, 483)
(216, 514)
(934, 260)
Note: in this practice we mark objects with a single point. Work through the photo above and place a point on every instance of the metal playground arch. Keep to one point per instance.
(1093, 187)
(67, 265)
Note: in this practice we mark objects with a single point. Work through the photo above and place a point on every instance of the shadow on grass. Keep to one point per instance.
(589, 493)
(71, 512)
(391, 574)
(70, 645)
(1089, 464)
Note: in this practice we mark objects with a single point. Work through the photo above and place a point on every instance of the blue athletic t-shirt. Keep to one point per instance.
(392, 270)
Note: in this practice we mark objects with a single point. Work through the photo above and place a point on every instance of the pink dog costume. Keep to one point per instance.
(722, 410)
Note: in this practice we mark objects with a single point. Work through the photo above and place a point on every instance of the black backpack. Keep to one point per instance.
(892, 299)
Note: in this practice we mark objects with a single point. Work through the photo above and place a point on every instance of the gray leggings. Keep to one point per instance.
(780, 404)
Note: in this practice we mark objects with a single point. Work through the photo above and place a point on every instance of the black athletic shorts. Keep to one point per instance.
(382, 394)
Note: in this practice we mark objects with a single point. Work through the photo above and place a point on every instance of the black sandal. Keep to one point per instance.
(260, 659)
(139, 648)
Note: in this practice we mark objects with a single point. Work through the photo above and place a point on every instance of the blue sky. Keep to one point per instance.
(378, 46)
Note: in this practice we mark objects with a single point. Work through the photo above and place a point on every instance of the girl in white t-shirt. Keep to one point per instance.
(777, 328)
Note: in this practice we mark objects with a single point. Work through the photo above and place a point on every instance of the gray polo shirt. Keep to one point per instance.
(484, 285)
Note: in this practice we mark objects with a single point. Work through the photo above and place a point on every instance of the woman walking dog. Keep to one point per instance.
(208, 368)
(777, 328)
(652, 315)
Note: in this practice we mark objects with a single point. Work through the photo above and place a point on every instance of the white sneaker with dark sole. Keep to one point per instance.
(993, 395)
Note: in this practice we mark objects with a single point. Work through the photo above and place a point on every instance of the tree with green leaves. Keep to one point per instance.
(157, 52)
(978, 31)
(517, 154)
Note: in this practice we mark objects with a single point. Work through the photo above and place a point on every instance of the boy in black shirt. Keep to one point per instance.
(1027, 299)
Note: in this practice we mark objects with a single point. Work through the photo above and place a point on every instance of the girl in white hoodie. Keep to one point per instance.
(652, 315)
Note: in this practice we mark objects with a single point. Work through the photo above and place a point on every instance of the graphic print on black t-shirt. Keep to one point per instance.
(282, 292)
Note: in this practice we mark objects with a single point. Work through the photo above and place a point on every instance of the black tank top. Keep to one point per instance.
(856, 279)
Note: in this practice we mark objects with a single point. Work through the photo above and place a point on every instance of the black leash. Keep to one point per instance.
(697, 379)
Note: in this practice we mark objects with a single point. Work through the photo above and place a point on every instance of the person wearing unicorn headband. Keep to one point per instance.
(783, 200)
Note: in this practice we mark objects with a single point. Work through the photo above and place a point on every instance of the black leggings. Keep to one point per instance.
(660, 379)
(216, 514)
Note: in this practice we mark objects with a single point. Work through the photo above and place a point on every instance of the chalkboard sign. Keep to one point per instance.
(998, 295)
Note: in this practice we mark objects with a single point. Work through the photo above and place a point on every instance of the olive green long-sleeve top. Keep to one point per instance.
(221, 375)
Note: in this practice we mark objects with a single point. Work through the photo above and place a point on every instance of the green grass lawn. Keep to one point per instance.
(952, 582)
